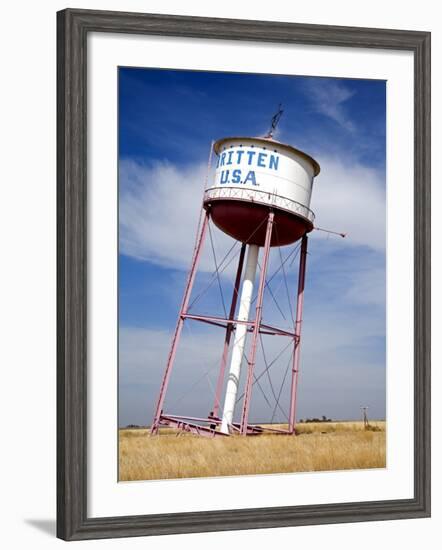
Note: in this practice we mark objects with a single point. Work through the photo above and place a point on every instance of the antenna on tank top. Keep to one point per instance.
(274, 123)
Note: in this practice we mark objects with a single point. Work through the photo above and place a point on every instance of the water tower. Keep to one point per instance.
(260, 196)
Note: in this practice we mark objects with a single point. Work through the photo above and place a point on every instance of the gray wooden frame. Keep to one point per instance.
(73, 27)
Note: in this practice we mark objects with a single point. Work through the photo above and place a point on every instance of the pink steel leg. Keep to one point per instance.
(256, 327)
(298, 323)
(229, 330)
(179, 325)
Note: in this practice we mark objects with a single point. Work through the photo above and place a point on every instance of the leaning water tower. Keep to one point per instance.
(260, 196)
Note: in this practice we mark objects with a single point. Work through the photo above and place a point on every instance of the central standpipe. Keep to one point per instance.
(240, 337)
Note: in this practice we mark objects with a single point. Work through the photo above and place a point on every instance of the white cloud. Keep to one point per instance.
(159, 208)
(349, 197)
(328, 99)
(160, 204)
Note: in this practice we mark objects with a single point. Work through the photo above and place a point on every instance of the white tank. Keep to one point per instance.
(255, 173)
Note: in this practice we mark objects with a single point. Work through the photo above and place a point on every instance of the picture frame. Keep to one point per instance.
(73, 28)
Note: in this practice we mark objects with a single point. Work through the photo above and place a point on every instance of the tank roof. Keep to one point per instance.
(269, 141)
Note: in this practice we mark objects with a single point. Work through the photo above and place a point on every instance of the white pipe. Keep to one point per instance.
(240, 337)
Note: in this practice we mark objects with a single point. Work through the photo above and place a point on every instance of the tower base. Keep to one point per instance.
(197, 426)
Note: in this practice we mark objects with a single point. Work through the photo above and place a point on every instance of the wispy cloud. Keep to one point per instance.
(350, 197)
(160, 204)
(159, 210)
(328, 98)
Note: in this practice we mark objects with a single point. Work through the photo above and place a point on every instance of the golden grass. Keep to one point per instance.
(318, 447)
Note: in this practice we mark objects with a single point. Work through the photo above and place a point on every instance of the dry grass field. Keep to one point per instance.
(318, 447)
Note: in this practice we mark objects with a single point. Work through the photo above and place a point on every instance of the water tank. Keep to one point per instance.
(253, 175)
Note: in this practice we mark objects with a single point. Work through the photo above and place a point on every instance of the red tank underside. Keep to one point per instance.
(240, 220)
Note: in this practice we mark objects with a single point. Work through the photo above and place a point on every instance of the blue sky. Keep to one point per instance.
(167, 121)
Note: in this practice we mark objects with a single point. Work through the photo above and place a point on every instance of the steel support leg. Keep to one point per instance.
(229, 330)
(256, 327)
(298, 325)
(179, 325)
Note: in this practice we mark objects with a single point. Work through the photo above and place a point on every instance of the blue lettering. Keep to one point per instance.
(229, 160)
(224, 176)
(223, 158)
(251, 154)
(251, 176)
(261, 157)
(217, 162)
(236, 176)
(274, 161)
(238, 157)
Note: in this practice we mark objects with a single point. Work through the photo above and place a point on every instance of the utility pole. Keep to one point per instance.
(365, 417)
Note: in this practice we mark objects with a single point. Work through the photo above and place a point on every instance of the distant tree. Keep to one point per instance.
(322, 419)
